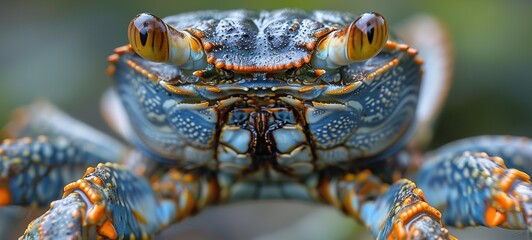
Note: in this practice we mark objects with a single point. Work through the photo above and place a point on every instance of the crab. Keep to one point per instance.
(218, 107)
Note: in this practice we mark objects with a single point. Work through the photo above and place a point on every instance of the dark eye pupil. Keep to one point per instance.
(143, 36)
(370, 33)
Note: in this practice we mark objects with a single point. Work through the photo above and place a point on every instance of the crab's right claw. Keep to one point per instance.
(109, 202)
(69, 213)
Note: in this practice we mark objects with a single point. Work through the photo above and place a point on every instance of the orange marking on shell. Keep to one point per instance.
(418, 60)
(493, 217)
(310, 45)
(383, 69)
(390, 45)
(207, 46)
(175, 89)
(402, 47)
(123, 49)
(307, 59)
(412, 52)
(504, 200)
(113, 58)
(111, 69)
(319, 72)
(211, 59)
(152, 77)
(5, 196)
(198, 73)
(345, 89)
(322, 32)
(202, 104)
(268, 68)
(220, 64)
(197, 33)
(306, 89)
(213, 89)
(2, 151)
(107, 230)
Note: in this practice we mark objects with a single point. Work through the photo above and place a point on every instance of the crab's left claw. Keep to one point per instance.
(478, 189)
(410, 217)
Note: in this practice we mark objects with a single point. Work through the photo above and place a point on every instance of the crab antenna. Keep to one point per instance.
(153, 39)
(362, 39)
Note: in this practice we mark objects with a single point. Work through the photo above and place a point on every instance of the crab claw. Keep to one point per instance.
(362, 39)
(153, 39)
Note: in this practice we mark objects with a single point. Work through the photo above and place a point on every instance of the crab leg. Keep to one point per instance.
(46, 149)
(473, 187)
(516, 151)
(112, 202)
(399, 211)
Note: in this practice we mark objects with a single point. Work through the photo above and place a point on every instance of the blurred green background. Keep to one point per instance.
(57, 50)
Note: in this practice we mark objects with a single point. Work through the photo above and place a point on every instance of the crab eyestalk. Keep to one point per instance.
(361, 40)
(154, 40)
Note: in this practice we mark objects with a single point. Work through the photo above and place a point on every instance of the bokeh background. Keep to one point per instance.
(57, 50)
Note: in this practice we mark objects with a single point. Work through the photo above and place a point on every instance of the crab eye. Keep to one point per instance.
(148, 36)
(153, 39)
(362, 39)
(367, 36)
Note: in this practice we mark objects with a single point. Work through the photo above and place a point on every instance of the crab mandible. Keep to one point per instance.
(224, 106)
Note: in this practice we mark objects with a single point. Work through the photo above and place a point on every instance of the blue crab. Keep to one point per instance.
(219, 107)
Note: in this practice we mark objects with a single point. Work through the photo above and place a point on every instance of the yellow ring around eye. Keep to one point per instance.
(148, 35)
(367, 36)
